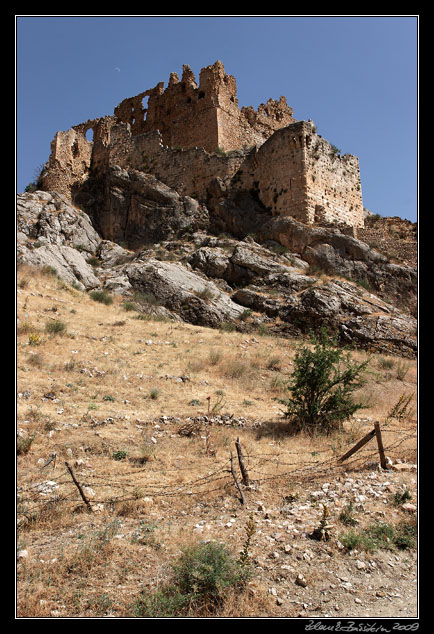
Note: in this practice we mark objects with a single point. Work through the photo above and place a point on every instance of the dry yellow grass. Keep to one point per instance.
(95, 393)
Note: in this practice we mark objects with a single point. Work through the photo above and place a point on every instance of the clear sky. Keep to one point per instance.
(356, 77)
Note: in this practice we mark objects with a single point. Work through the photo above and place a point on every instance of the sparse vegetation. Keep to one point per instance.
(155, 492)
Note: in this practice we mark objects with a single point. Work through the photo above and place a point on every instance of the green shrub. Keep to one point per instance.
(55, 327)
(101, 296)
(201, 577)
(321, 387)
(382, 536)
(120, 454)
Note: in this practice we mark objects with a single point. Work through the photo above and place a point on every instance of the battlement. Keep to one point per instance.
(189, 133)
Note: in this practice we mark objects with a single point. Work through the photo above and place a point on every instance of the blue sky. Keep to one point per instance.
(356, 77)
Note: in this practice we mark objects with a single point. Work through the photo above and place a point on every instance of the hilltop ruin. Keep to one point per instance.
(190, 134)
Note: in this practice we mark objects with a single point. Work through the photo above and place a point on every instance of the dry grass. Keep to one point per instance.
(95, 393)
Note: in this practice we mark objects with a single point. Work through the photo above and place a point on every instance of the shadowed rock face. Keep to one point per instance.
(293, 278)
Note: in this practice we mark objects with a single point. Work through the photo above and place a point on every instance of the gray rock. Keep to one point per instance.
(68, 263)
(196, 299)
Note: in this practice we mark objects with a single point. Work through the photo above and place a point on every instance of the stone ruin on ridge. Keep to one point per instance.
(187, 135)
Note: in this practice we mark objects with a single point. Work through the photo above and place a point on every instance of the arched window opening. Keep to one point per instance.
(89, 135)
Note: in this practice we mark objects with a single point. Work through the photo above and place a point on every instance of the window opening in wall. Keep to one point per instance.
(145, 107)
(89, 135)
(75, 150)
(201, 94)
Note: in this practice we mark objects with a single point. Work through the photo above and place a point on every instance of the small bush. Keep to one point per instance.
(101, 296)
(120, 454)
(24, 443)
(321, 387)
(55, 327)
(382, 536)
(34, 339)
(215, 357)
(227, 326)
(201, 578)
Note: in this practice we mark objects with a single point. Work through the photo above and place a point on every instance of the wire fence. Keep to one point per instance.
(141, 483)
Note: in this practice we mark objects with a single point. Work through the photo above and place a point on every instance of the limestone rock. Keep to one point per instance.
(195, 299)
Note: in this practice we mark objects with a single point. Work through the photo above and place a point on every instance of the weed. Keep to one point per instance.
(120, 454)
(227, 326)
(386, 363)
(55, 327)
(34, 339)
(236, 368)
(245, 314)
(202, 576)
(382, 536)
(250, 531)
(101, 296)
(401, 498)
(401, 370)
(128, 306)
(346, 515)
(400, 409)
(206, 294)
(274, 363)
(154, 393)
(24, 443)
(215, 357)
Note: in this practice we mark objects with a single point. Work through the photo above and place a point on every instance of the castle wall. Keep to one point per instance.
(189, 134)
(333, 184)
(297, 173)
(188, 171)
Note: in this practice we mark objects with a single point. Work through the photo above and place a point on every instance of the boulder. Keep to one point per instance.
(197, 300)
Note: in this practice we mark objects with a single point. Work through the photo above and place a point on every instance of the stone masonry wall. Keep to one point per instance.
(297, 173)
(188, 171)
(189, 134)
(333, 184)
(205, 115)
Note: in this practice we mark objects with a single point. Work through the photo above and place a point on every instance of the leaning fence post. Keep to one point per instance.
(380, 445)
(243, 469)
(237, 484)
(85, 500)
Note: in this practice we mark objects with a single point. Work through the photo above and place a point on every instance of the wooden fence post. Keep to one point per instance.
(237, 484)
(243, 469)
(360, 444)
(380, 445)
(85, 500)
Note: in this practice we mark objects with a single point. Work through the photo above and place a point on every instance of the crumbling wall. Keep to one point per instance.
(205, 115)
(189, 134)
(71, 155)
(334, 191)
(188, 171)
(298, 173)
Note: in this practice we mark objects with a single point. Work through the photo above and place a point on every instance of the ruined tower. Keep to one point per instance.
(190, 133)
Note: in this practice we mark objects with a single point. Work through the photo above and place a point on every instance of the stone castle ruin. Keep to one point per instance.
(190, 134)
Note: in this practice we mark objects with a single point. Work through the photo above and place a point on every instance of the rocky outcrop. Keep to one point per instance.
(134, 208)
(337, 254)
(197, 300)
(52, 233)
(290, 277)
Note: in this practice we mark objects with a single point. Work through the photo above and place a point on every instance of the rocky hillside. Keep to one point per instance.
(227, 264)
